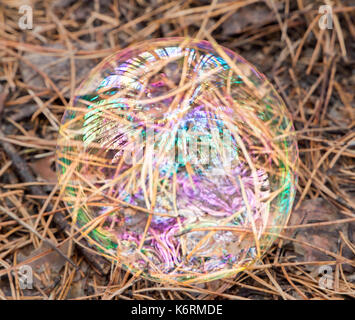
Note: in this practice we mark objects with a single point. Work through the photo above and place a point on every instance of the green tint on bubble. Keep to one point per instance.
(175, 164)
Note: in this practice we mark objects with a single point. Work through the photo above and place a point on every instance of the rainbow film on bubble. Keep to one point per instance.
(177, 160)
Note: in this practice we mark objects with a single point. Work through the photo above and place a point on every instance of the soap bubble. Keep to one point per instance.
(177, 160)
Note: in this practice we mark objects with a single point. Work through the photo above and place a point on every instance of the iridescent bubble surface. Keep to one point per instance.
(177, 159)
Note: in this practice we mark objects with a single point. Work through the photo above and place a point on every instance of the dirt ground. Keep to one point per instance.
(310, 62)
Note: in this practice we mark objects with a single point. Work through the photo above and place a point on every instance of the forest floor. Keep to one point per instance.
(312, 68)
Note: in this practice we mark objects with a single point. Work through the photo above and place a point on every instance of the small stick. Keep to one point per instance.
(26, 175)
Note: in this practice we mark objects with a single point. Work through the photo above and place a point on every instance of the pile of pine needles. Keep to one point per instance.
(311, 67)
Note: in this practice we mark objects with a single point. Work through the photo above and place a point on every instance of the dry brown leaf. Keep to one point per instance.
(246, 16)
(52, 261)
(56, 67)
(43, 168)
(325, 237)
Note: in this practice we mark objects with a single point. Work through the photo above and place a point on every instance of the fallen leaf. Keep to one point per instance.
(57, 69)
(51, 260)
(324, 237)
(247, 16)
(43, 168)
